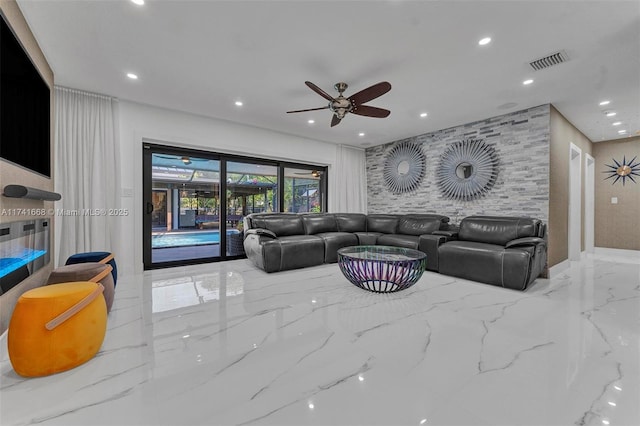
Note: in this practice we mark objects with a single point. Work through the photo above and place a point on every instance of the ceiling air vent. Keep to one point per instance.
(549, 60)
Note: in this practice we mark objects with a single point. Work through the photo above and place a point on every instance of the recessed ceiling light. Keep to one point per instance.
(239, 103)
(527, 82)
(603, 103)
(132, 76)
(617, 123)
(622, 132)
(138, 2)
(423, 115)
(361, 134)
(311, 121)
(611, 114)
(484, 41)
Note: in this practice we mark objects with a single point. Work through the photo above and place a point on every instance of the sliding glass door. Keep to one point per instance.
(251, 188)
(195, 201)
(182, 218)
(304, 190)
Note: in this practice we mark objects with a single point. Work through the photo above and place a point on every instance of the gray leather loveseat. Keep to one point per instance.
(504, 251)
(282, 241)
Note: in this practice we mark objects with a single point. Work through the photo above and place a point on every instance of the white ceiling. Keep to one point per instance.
(202, 56)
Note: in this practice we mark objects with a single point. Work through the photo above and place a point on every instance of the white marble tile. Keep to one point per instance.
(226, 344)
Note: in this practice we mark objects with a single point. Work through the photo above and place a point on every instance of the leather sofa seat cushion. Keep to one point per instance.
(351, 222)
(487, 263)
(317, 223)
(383, 223)
(282, 225)
(367, 238)
(497, 230)
(293, 252)
(398, 240)
(417, 225)
(333, 241)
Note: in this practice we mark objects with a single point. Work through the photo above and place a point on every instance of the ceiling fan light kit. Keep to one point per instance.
(341, 106)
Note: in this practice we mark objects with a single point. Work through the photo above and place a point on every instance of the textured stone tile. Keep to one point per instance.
(521, 140)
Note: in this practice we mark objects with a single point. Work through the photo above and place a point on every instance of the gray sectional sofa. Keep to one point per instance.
(504, 251)
(280, 241)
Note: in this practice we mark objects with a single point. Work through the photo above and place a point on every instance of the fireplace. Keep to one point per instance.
(24, 248)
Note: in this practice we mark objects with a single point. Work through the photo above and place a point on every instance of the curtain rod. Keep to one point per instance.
(83, 92)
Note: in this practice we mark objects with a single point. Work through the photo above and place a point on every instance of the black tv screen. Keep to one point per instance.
(24, 107)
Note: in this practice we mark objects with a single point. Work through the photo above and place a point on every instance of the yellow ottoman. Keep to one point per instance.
(56, 327)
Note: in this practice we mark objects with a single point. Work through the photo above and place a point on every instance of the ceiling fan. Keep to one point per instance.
(185, 159)
(313, 173)
(353, 104)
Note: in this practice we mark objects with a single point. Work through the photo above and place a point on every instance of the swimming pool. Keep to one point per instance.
(182, 239)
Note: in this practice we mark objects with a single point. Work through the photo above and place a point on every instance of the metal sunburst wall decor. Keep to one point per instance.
(404, 167)
(623, 170)
(468, 169)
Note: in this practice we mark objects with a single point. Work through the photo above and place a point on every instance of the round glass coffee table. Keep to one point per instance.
(381, 269)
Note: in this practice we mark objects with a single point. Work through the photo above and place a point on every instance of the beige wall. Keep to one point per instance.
(617, 225)
(563, 133)
(11, 174)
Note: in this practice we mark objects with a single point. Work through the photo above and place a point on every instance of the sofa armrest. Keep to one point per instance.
(261, 232)
(525, 242)
(429, 244)
(451, 235)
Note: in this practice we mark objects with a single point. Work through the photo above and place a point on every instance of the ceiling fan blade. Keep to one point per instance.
(370, 93)
(310, 109)
(319, 91)
(369, 111)
(335, 121)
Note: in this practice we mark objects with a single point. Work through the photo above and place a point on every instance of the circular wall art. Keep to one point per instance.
(404, 167)
(467, 169)
(623, 170)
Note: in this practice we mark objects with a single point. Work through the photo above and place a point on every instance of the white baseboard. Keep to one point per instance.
(558, 268)
(624, 256)
(630, 254)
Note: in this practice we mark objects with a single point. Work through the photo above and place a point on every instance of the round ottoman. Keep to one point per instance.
(56, 327)
(92, 271)
(96, 256)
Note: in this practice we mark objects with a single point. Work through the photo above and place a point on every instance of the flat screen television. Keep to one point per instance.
(24, 107)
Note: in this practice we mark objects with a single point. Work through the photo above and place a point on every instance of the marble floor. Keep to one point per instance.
(226, 344)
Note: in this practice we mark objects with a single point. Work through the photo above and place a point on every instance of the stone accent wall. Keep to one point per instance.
(521, 140)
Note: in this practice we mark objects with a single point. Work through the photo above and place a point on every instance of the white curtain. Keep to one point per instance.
(87, 172)
(350, 180)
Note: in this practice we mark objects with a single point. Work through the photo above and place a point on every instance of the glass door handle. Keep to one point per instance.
(149, 208)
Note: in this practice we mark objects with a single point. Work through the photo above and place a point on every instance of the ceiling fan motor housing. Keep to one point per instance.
(340, 106)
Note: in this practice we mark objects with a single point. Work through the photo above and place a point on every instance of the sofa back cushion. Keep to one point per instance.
(383, 223)
(317, 223)
(351, 222)
(497, 229)
(415, 225)
(280, 224)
